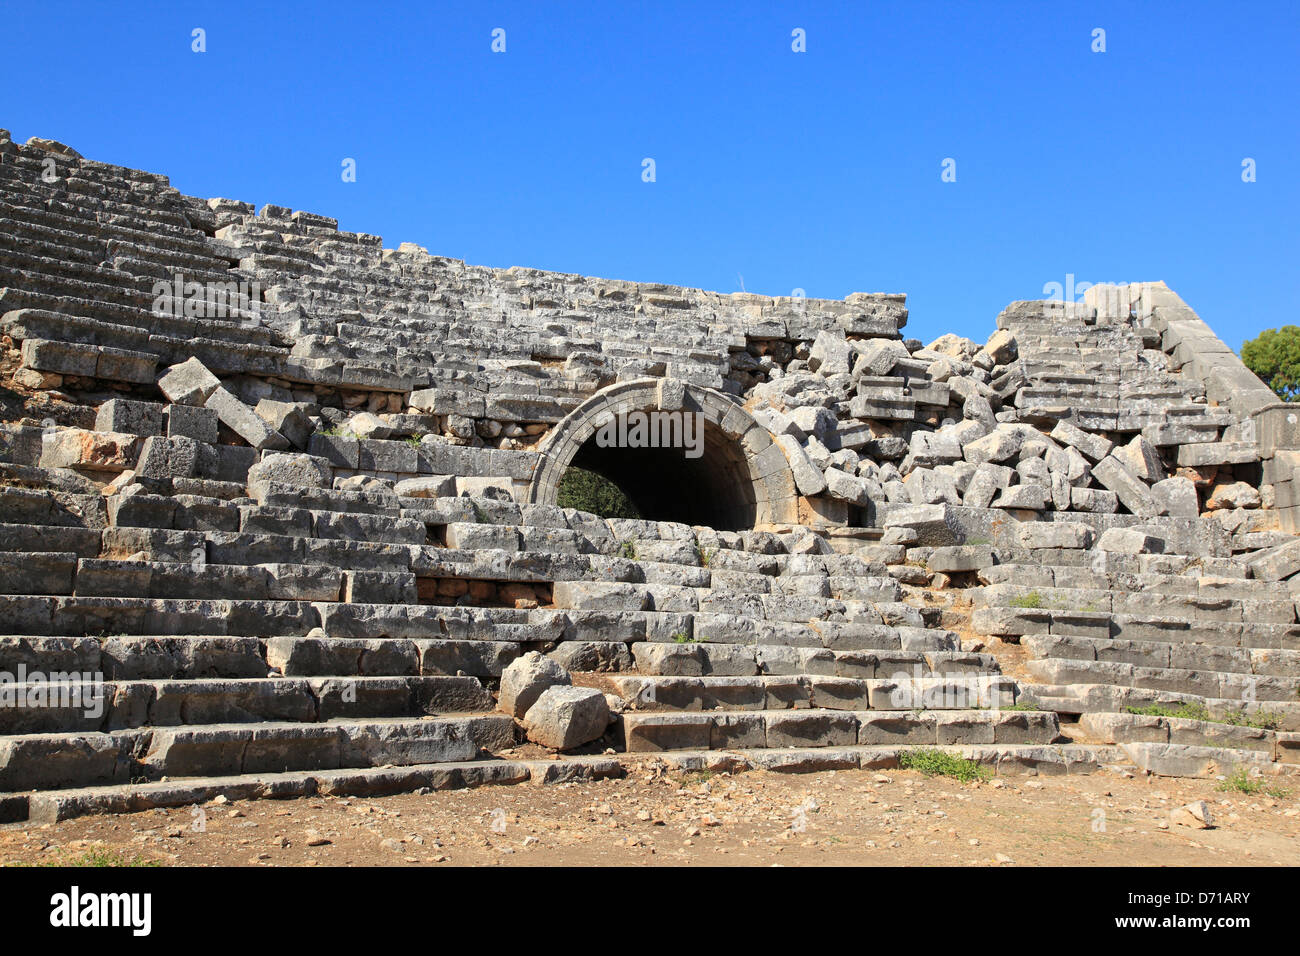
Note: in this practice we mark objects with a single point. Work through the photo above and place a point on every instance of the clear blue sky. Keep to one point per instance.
(817, 170)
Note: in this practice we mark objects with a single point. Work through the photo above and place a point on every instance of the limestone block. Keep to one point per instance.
(294, 470)
(524, 681)
(243, 421)
(1113, 475)
(807, 476)
(1129, 541)
(191, 421)
(1094, 447)
(189, 383)
(124, 415)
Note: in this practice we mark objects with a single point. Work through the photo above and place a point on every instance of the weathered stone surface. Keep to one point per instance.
(192, 421)
(136, 418)
(524, 681)
(243, 421)
(1094, 447)
(434, 486)
(567, 717)
(1129, 541)
(294, 471)
(1176, 497)
(807, 476)
(189, 383)
(1235, 494)
(88, 450)
(1130, 490)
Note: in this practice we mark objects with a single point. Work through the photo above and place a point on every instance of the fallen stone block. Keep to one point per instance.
(1115, 476)
(567, 717)
(525, 680)
(1277, 563)
(88, 450)
(1236, 494)
(288, 418)
(808, 477)
(189, 383)
(1143, 459)
(1093, 447)
(1175, 497)
(243, 421)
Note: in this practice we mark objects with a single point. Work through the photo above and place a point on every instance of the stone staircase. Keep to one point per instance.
(325, 639)
(1186, 661)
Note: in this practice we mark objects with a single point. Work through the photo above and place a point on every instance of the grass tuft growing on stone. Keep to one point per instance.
(937, 763)
(1263, 720)
(1031, 600)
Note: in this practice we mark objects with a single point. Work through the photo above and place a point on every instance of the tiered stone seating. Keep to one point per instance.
(1185, 660)
(295, 546)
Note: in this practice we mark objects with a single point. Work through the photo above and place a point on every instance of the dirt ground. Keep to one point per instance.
(844, 818)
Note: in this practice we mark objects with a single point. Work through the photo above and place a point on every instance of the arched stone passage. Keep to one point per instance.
(741, 480)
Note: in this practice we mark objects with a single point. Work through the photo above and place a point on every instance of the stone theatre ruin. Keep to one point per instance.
(313, 544)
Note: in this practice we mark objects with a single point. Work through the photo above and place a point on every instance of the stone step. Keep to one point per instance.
(39, 615)
(790, 608)
(1112, 698)
(1202, 682)
(1188, 656)
(57, 805)
(69, 219)
(1013, 622)
(27, 198)
(953, 692)
(1193, 608)
(57, 240)
(91, 178)
(54, 704)
(1125, 728)
(1045, 561)
(692, 659)
(55, 761)
(1003, 760)
(280, 582)
(37, 572)
(1206, 585)
(800, 728)
(50, 508)
(99, 199)
(45, 315)
(169, 657)
(331, 525)
(345, 656)
(1186, 760)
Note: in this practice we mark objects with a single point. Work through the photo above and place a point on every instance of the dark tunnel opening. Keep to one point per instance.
(714, 489)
